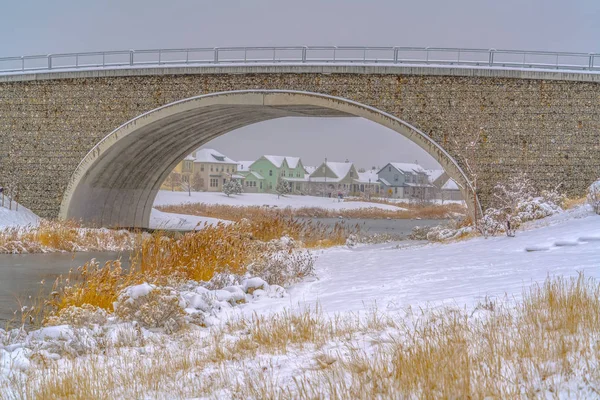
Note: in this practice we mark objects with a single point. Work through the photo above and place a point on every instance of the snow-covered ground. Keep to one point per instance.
(165, 197)
(12, 218)
(172, 221)
(351, 281)
(460, 273)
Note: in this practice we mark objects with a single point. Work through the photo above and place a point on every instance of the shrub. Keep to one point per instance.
(593, 196)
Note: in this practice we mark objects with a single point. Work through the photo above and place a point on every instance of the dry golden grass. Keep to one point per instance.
(197, 256)
(236, 213)
(544, 346)
(572, 203)
(68, 236)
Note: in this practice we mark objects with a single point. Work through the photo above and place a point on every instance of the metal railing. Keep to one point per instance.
(490, 58)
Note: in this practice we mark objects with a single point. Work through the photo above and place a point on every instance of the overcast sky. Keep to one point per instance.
(42, 27)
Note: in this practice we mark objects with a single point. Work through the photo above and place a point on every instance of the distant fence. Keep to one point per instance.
(490, 58)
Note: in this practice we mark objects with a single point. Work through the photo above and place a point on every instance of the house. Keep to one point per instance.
(211, 170)
(367, 183)
(205, 170)
(332, 178)
(405, 180)
(273, 168)
(450, 191)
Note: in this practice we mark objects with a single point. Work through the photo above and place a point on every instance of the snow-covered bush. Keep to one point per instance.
(151, 307)
(230, 187)
(516, 201)
(283, 263)
(593, 196)
(86, 315)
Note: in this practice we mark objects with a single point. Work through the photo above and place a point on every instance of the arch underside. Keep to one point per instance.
(116, 183)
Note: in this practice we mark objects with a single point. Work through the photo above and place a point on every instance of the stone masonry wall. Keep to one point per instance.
(549, 129)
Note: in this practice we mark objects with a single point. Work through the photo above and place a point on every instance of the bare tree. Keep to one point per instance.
(197, 182)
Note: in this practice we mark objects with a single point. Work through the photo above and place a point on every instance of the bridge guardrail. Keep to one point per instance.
(303, 55)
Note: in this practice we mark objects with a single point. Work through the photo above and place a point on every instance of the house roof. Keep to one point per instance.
(434, 174)
(310, 169)
(255, 174)
(450, 185)
(408, 167)
(189, 158)
(365, 177)
(340, 169)
(277, 161)
(244, 166)
(212, 156)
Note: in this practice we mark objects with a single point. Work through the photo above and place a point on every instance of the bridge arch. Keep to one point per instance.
(117, 181)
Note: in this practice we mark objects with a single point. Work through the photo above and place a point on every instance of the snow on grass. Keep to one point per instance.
(461, 273)
(265, 199)
(172, 221)
(12, 218)
(309, 354)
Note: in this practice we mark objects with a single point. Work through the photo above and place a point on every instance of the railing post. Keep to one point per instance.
(304, 54)
(395, 55)
(491, 57)
(77, 60)
(591, 61)
(426, 55)
(49, 61)
(131, 57)
(216, 58)
(159, 56)
(187, 56)
(22, 63)
(334, 52)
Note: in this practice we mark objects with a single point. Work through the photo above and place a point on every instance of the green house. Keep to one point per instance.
(273, 168)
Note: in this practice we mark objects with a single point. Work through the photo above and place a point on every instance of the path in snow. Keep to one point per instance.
(461, 273)
(261, 199)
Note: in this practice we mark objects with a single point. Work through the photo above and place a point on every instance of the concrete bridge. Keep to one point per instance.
(94, 142)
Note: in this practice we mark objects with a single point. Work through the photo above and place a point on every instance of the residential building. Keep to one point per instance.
(450, 191)
(273, 168)
(205, 170)
(405, 180)
(333, 178)
(213, 169)
(367, 183)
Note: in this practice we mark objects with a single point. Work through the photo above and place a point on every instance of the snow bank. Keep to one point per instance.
(172, 221)
(265, 199)
(12, 218)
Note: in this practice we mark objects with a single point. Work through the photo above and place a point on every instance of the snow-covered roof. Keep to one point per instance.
(340, 169)
(244, 166)
(310, 169)
(189, 158)
(386, 183)
(256, 175)
(212, 156)
(434, 174)
(365, 177)
(450, 185)
(236, 176)
(277, 161)
(408, 167)
(292, 179)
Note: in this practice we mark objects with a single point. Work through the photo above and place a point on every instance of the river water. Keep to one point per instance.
(20, 275)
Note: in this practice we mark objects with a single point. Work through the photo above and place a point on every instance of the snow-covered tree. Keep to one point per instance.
(283, 188)
(229, 188)
(593, 197)
(237, 188)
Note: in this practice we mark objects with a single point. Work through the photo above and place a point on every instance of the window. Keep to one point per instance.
(222, 168)
(224, 181)
(396, 190)
(396, 178)
(261, 185)
(214, 182)
(270, 172)
(211, 168)
(389, 169)
(202, 167)
(283, 173)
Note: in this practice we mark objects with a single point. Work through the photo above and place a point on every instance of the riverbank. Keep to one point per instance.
(353, 320)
